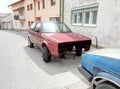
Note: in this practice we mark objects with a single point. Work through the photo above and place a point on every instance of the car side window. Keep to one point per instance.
(33, 26)
(38, 27)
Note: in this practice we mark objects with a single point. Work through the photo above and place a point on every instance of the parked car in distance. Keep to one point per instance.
(102, 68)
(55, 38)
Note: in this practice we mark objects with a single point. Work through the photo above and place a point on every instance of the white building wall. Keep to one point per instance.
(108, 28)
(8, 26)
(108, 19)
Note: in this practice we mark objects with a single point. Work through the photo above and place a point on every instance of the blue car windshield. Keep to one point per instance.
(55, 27)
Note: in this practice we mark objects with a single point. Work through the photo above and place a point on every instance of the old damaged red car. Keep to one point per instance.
(55, 38)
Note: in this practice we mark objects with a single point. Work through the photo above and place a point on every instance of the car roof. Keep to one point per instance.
(107, 52)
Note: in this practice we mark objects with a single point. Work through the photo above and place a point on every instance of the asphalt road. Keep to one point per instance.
(22, 67)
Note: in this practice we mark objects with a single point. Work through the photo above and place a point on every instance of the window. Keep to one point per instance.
(77, 17)
(16, 17)
(44, 3)
(37, 27)
(31, 22)
(54, 19)
(31, 7)
(27, 7)
(55, 27)
(85, 16)
(33, 26)
(16, 24)
(94, 17)
(22, 24)
(53, 2)
(80, 15)
(49, 27)
(38, 5)
(38, 18)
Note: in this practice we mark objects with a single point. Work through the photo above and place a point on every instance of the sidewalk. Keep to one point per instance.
(82, 83)
(78, 85)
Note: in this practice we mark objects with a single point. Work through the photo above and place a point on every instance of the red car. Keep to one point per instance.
(55, 38)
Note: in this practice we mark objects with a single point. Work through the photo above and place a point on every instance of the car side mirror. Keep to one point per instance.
(37, 29)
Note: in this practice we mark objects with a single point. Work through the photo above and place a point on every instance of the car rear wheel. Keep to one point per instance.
(78, 52)
(30, 44)
(46, 55)
(106, 86)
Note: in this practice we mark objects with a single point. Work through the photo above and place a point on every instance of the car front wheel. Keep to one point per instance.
(106, 86)
(78, 52)
(87, 48)
(62, 55)
(46, 54)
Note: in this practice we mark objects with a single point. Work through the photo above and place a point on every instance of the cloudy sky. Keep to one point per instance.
(4, 5)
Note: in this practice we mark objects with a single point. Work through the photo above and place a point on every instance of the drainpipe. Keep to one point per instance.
(62, 10)
(96, 41)
(34, 10)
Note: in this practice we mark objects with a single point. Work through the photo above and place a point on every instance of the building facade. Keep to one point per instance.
(47, 10)
(2, 16)
(19, 19)
(25, 12)
(7, 22)
(97, 19)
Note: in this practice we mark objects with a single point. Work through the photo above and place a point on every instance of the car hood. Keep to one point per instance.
(105, 60)
(107, 52)
(66, 37)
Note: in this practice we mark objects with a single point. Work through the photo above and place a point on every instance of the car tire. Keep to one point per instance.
(106, 86)
(30, 44)
(78, 52)
(46, 55)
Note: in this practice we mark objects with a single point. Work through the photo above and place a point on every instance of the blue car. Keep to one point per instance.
(102, 68)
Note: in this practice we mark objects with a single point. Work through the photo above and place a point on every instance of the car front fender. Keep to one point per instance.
(52, 47)
(44, 43)
(103, 76)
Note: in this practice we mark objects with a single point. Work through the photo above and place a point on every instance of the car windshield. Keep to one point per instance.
(55, 27)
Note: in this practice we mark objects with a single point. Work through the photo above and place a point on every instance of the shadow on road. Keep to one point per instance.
(57, 65)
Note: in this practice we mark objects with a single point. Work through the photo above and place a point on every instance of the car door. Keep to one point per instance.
(38, 36)
(32, 32)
